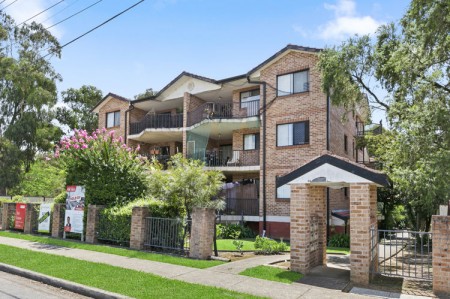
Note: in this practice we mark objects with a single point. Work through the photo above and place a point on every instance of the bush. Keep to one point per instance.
(266, 246)
(61, 197)
(339, 240)
(231, 230)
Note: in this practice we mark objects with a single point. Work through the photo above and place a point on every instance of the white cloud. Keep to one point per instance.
(346, 22)
(23, 10)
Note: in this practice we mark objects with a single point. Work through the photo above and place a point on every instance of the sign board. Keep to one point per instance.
(443, 210)
(19, 222)
(44, 217)
(73, 220)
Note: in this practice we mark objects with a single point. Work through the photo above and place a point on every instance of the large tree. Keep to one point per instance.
(77, 114)
(403, 69)
(27, 86)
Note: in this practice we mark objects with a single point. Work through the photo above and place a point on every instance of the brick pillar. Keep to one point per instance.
(202, 233)
(441, 255)
(31, 218)
(308, 227)
(137, 233)
(93, 218)
(363, 218)
(9, 210)
(58, 220)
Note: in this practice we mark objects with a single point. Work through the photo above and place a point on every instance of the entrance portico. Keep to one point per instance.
(309, 213)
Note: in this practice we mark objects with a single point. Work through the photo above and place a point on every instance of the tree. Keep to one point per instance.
(147, 93)
(78, 114)
(27, 86)
(10, 165)
(409, 61)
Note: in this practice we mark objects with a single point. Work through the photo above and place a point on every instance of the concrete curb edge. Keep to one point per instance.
(61, 283)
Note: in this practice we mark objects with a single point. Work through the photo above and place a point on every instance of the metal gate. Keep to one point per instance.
(403, 253)
(167, 234)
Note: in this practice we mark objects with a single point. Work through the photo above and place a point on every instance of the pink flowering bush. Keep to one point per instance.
(112, 172)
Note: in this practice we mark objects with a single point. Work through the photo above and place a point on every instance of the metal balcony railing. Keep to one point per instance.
(241, 206)
(362, 128)
(221, 159)
(157, 121)
(223, 111)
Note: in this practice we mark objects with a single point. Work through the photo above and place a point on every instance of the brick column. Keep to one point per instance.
(9, 210)
(363, 217)
(308, 227)
(93, 218)
(441, 255)
(202, 233)
(137, 232)
(58, 220)
(31, 218)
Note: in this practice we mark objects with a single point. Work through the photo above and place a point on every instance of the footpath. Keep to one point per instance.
(222, 276)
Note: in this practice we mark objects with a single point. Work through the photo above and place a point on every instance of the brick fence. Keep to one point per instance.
(441, 255)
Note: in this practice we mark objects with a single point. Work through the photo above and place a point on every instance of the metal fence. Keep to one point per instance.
(157, 121)
(167, 234)
(114, 229)
(219, 158)
(405, 254)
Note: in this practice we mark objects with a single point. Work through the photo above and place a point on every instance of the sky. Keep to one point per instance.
(155, 41)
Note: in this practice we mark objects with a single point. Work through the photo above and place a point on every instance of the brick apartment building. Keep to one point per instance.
(254, 127)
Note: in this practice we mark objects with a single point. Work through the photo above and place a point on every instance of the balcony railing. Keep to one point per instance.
(362, 128)
(223, 111)
(221, 159)
(241, 206)
(157, 121)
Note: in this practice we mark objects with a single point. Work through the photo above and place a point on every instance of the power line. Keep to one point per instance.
(9, 5)
(105, 22)
(41, 12)
(60, 11)
(2, 1)
(74, 14)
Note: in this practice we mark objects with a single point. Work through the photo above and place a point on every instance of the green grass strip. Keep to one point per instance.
(272, 273)
(338, 250)
(114, 279)
(175, 260)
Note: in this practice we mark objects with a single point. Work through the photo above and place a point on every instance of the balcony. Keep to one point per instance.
(218, 158)
(211, 111)
(362, 128)
(157, 121)
(241, 206)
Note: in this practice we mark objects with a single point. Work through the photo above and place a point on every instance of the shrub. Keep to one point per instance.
(61, 197)
(229, 231)
(339, 240)
(112, 173)
(18, 198)
(265, 245)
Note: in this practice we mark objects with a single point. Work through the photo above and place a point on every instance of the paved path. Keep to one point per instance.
(219, 276)
(12, 286)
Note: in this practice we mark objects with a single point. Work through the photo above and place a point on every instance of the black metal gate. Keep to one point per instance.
(403, 253)
(167, 234)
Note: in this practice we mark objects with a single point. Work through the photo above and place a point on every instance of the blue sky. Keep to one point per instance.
(151, 44)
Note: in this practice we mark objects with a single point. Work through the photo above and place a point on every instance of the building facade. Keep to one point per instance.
(254, 127)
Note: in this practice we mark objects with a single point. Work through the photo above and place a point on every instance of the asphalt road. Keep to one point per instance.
(12, 286)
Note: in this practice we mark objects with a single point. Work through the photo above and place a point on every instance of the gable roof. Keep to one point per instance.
(113, 95)
(338, 162)
(289, 47)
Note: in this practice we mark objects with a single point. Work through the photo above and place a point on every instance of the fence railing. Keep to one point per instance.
(221, 159)
(157, 121)
(241, 206)
(167, 234)
(405, 254)
(223, 110)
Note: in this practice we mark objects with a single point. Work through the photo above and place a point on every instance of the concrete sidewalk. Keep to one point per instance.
(223, 276)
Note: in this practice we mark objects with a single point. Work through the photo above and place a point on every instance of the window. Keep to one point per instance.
(293, 83)
(251, 141)
(284, 191)
(293, 134)
(250, 100)
(113, 119)
(345, 143)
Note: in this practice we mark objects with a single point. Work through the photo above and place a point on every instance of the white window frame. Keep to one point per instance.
(286, 84)
(113, 119)
(285, 134)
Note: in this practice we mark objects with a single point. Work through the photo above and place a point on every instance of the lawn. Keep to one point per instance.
(200, 264)
(227, 245)
(272, 273)
(114, 279)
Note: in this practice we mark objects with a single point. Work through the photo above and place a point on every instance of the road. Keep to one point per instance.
(12, 286)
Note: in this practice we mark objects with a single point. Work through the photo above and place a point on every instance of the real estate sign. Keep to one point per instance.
(73, 221)
(44, 217)
(19, 220)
